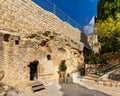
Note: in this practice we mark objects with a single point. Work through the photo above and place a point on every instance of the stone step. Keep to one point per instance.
(93, 76)
(38, 88)
(36, 83)
(87, 80)
(90, 78)
(109, 83)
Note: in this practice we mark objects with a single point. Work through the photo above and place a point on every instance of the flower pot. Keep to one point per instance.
(62, 76)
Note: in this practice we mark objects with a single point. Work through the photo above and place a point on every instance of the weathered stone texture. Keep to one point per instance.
(17, 57)
(25, 16)
(29, 33)
(93, 42)
(1, 74)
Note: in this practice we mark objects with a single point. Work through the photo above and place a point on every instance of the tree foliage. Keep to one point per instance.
(108, 32)
(62, 66)
(108, 25)
(93, 59)
(97, 59)
(107, 8)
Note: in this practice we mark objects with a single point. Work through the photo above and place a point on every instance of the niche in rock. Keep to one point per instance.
(16, 42)
(43, 43)
(6, 37)
(49, 57)
(47, 33)
(61, 49)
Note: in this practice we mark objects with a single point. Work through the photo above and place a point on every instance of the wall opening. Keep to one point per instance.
(62, 49)
(34, 70)
(6, 37)
(16, 42)
(43, 43)
(48, 57)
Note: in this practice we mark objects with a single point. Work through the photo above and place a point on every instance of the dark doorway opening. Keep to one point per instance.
(16, 42)
(48, 57)
(33, 70)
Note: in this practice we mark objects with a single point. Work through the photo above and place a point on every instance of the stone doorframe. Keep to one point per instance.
(34, 70)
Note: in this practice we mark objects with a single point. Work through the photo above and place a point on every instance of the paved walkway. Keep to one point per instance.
(112, 91)
(73, 89)
(78, 90)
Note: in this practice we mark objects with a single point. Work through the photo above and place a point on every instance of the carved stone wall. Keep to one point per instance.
(93, 42)
(25, 16)
(29, 33)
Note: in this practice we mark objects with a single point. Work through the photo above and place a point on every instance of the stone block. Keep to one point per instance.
(69, 80)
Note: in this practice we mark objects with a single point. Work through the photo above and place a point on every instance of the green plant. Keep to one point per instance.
(93, 59)
(62, 66)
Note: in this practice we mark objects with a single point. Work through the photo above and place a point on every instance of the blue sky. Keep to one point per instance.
(81, 11)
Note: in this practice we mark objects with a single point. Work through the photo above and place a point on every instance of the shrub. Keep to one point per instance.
(62, 66)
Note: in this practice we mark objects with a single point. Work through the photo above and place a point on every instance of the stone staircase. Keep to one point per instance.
(108, 82)
(110, 79)
(91, 78)
(37, 86)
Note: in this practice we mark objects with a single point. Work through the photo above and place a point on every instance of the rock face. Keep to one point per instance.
(33, 42)
(6, 90)
(94, 43)
(1, 74)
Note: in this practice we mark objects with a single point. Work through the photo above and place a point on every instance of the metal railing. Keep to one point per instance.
(49, 6)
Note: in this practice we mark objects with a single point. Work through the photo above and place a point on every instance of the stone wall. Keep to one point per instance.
(93, 42)
(29, 33)
(18, 51)
(25, 16)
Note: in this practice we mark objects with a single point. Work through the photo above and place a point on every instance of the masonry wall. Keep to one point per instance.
(93, 42)
(25, 16)
(28, 33)
(16, 57)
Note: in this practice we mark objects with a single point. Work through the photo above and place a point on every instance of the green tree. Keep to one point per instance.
(97, 59)
(108, 32)
(107, 8)
(93, 59)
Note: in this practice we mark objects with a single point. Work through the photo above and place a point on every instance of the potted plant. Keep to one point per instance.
(62, 68)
